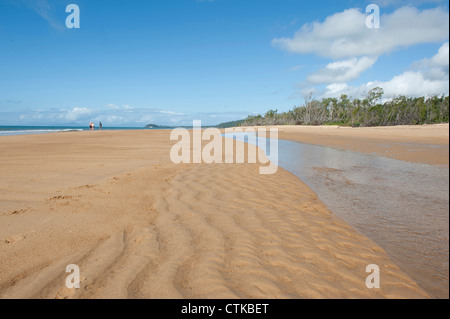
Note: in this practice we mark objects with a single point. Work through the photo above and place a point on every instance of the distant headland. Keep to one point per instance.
(222, 125)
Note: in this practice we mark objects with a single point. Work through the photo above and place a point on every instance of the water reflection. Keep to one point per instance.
(402, 206)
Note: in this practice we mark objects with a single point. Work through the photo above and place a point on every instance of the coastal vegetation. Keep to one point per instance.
(230, 124)
(370, 111)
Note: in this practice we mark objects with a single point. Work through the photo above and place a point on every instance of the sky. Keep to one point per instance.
(169, 62)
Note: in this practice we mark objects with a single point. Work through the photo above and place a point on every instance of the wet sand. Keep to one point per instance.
(139, 226)
(426, 144)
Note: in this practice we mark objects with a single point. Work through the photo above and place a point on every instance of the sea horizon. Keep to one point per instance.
(8, 130)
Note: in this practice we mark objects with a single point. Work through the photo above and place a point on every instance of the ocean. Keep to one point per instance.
(24, 130)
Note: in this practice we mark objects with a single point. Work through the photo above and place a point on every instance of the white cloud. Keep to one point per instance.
(426, 78)
(436, 67)
(112, 120)
(336, 89)
(75, 114)
(441, 58)
(170, 113)
(345, 34)
(138, 117)
(413, 84)
(147, 119)
(342, 71)
(115, 107)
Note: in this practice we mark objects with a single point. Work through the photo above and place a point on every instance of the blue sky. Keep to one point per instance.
(168, 62)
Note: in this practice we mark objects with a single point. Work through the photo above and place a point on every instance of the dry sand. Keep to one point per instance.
(139, 226)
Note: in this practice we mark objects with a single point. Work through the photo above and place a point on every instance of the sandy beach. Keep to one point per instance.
(139, 226)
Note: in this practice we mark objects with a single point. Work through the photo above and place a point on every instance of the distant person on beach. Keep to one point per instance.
(100, 125)
(92, 126)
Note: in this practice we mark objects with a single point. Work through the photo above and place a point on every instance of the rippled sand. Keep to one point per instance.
(139, 226)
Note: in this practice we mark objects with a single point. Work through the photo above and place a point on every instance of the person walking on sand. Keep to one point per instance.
(100, 125)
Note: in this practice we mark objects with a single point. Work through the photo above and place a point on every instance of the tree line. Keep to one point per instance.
(370, 111)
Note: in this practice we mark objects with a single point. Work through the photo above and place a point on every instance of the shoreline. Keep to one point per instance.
(128, 207)
(426, 144)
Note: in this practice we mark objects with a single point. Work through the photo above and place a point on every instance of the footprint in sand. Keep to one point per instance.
(16, 212)
(13, 239)
(59, 198)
